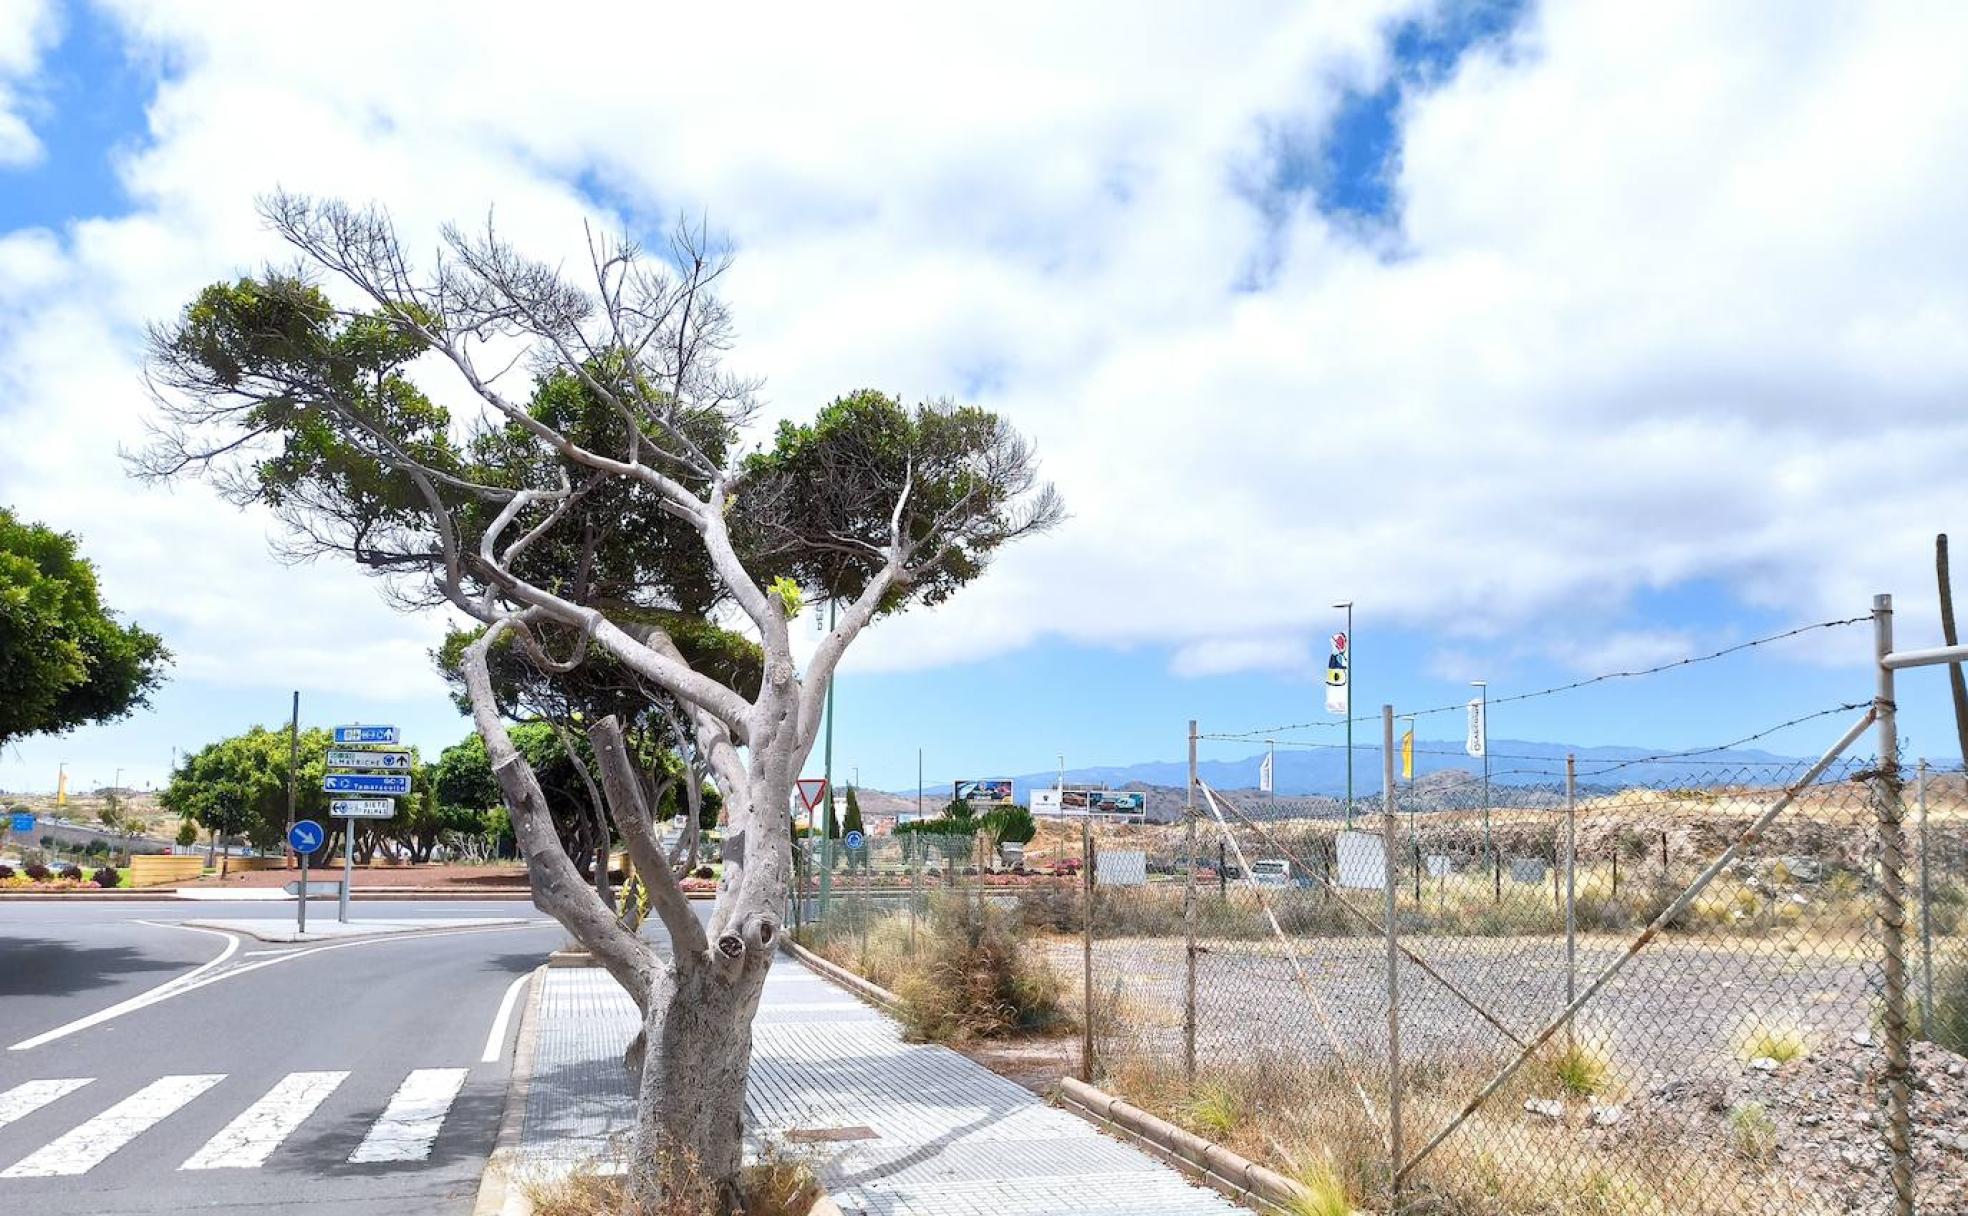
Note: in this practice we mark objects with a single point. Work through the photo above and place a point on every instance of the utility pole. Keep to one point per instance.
(1482, 688)
(1348, 605)
(919, 784)
(293, 767)
(827, 772)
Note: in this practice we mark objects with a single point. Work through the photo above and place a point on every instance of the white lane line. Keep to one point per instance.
(29, 1096)
(192, 981)
(250, 1139)
(84, 1147)
(410, 1122)
(495, 1043)
(168, 988)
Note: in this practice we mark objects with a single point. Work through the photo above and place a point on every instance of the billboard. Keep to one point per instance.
(989, 792)
(1072, 802)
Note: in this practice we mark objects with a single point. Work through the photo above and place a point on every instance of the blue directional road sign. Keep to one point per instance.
(366, 783)
(853, 840)
(305, 836)
(22, 823)
(366, 734)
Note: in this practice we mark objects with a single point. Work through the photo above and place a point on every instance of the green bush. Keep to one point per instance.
(95, 848)
(106, 877)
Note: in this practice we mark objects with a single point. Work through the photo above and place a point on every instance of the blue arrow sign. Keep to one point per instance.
(853, 840)
(366, 783)
(366, 734)
(23, 823)
(305, 836)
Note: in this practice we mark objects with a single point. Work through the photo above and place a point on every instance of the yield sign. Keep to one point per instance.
(810, 789)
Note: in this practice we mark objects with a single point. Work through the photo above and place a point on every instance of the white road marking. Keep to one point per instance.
(168, 988)
(30, 1096)
(410, 1122)
(192, 981)
(250, 1139)
(85, 1146)
(495, 1043)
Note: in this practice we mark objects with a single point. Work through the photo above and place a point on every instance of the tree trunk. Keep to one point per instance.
(690, 1109)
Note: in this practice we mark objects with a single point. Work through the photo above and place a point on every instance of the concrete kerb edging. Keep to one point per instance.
(497, 1196)
(866, 989)
(1217, 1165)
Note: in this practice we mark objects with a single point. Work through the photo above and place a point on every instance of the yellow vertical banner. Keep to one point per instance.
(1408, 755)
(61, 789)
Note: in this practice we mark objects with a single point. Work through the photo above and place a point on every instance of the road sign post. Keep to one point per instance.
(353, 771)
(304, 838)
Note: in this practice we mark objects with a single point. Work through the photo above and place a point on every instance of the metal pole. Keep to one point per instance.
(1389, 829)
(1189, 913)
(919, 785)
(293, 762)
(1892, 912)
(348, 866)
(827, 815)
(1086, 939)
(1489, 846)
(300, 922)
(1926, 922)
(1571, 881)
(1349, 713)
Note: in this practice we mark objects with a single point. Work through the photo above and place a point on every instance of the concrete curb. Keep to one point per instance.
(496, 1193)
(866, 989)
(1222, 1169)
(280, 933)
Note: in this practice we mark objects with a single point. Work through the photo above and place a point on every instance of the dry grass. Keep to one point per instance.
(1504, 1162)
(775, 1185)
(1779, 1041)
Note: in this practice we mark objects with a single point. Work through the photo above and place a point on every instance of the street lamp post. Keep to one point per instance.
(1348, 605)
(1483, 691)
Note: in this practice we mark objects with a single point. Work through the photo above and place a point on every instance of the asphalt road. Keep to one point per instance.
(347, 1078)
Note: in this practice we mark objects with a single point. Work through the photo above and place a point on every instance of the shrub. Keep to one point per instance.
(1215, 1110)
(1581, 1071)
(1326, 1192)
(702, 872)
(38, 872)
(1780, 1042)
(6, 872)
(1752, 1132)
(106, 877)
(95, 848)
(974, 979)
(71, 873)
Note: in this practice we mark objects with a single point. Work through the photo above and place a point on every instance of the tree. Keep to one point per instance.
(187, 833)
(610, 509)
(64, 660)
(237, 786)
(852, 823)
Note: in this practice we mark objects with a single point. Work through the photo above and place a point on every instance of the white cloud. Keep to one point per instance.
(27, 27)
(1227, 656)
(1679, 295)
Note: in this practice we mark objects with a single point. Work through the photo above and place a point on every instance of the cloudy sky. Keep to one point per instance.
(1561, 337)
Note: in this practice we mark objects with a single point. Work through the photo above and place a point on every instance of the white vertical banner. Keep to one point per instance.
(1264, 774)
(1338, 673)
(1478, 738)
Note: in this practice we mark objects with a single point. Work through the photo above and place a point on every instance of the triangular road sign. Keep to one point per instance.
(811, 789)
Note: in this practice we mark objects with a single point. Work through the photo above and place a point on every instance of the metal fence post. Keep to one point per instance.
(1892, 912)
(1389, 830)
(1189, 917)
(1086, 945)
(1926, 922)
(1571, 881)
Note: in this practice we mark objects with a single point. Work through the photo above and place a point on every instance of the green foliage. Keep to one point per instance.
(1781, 1042)
(942, 826)
(1009, 825)
(1215, 1110)
(64, 660)
(790, 596)
(1581, 1071)
(238, 786)
(187, 833)
(853, 823)
(1752, 1132)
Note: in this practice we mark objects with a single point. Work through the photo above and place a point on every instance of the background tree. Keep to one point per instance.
(238, 785)
(187, 833)
(64, 660)
(607, 507)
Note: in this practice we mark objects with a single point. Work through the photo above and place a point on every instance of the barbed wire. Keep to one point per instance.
(1262, 735)
(1733, 743)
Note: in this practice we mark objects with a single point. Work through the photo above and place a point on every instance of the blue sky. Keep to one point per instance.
(1440, 368)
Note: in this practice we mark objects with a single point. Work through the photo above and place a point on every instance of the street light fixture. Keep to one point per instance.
(1348, 605)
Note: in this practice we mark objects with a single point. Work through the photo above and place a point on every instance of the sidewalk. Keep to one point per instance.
(950, 1138)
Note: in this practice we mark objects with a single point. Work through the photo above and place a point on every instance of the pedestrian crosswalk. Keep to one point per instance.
(404, 1130)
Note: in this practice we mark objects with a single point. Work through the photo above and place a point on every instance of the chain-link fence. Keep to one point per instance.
(1730, 1062)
